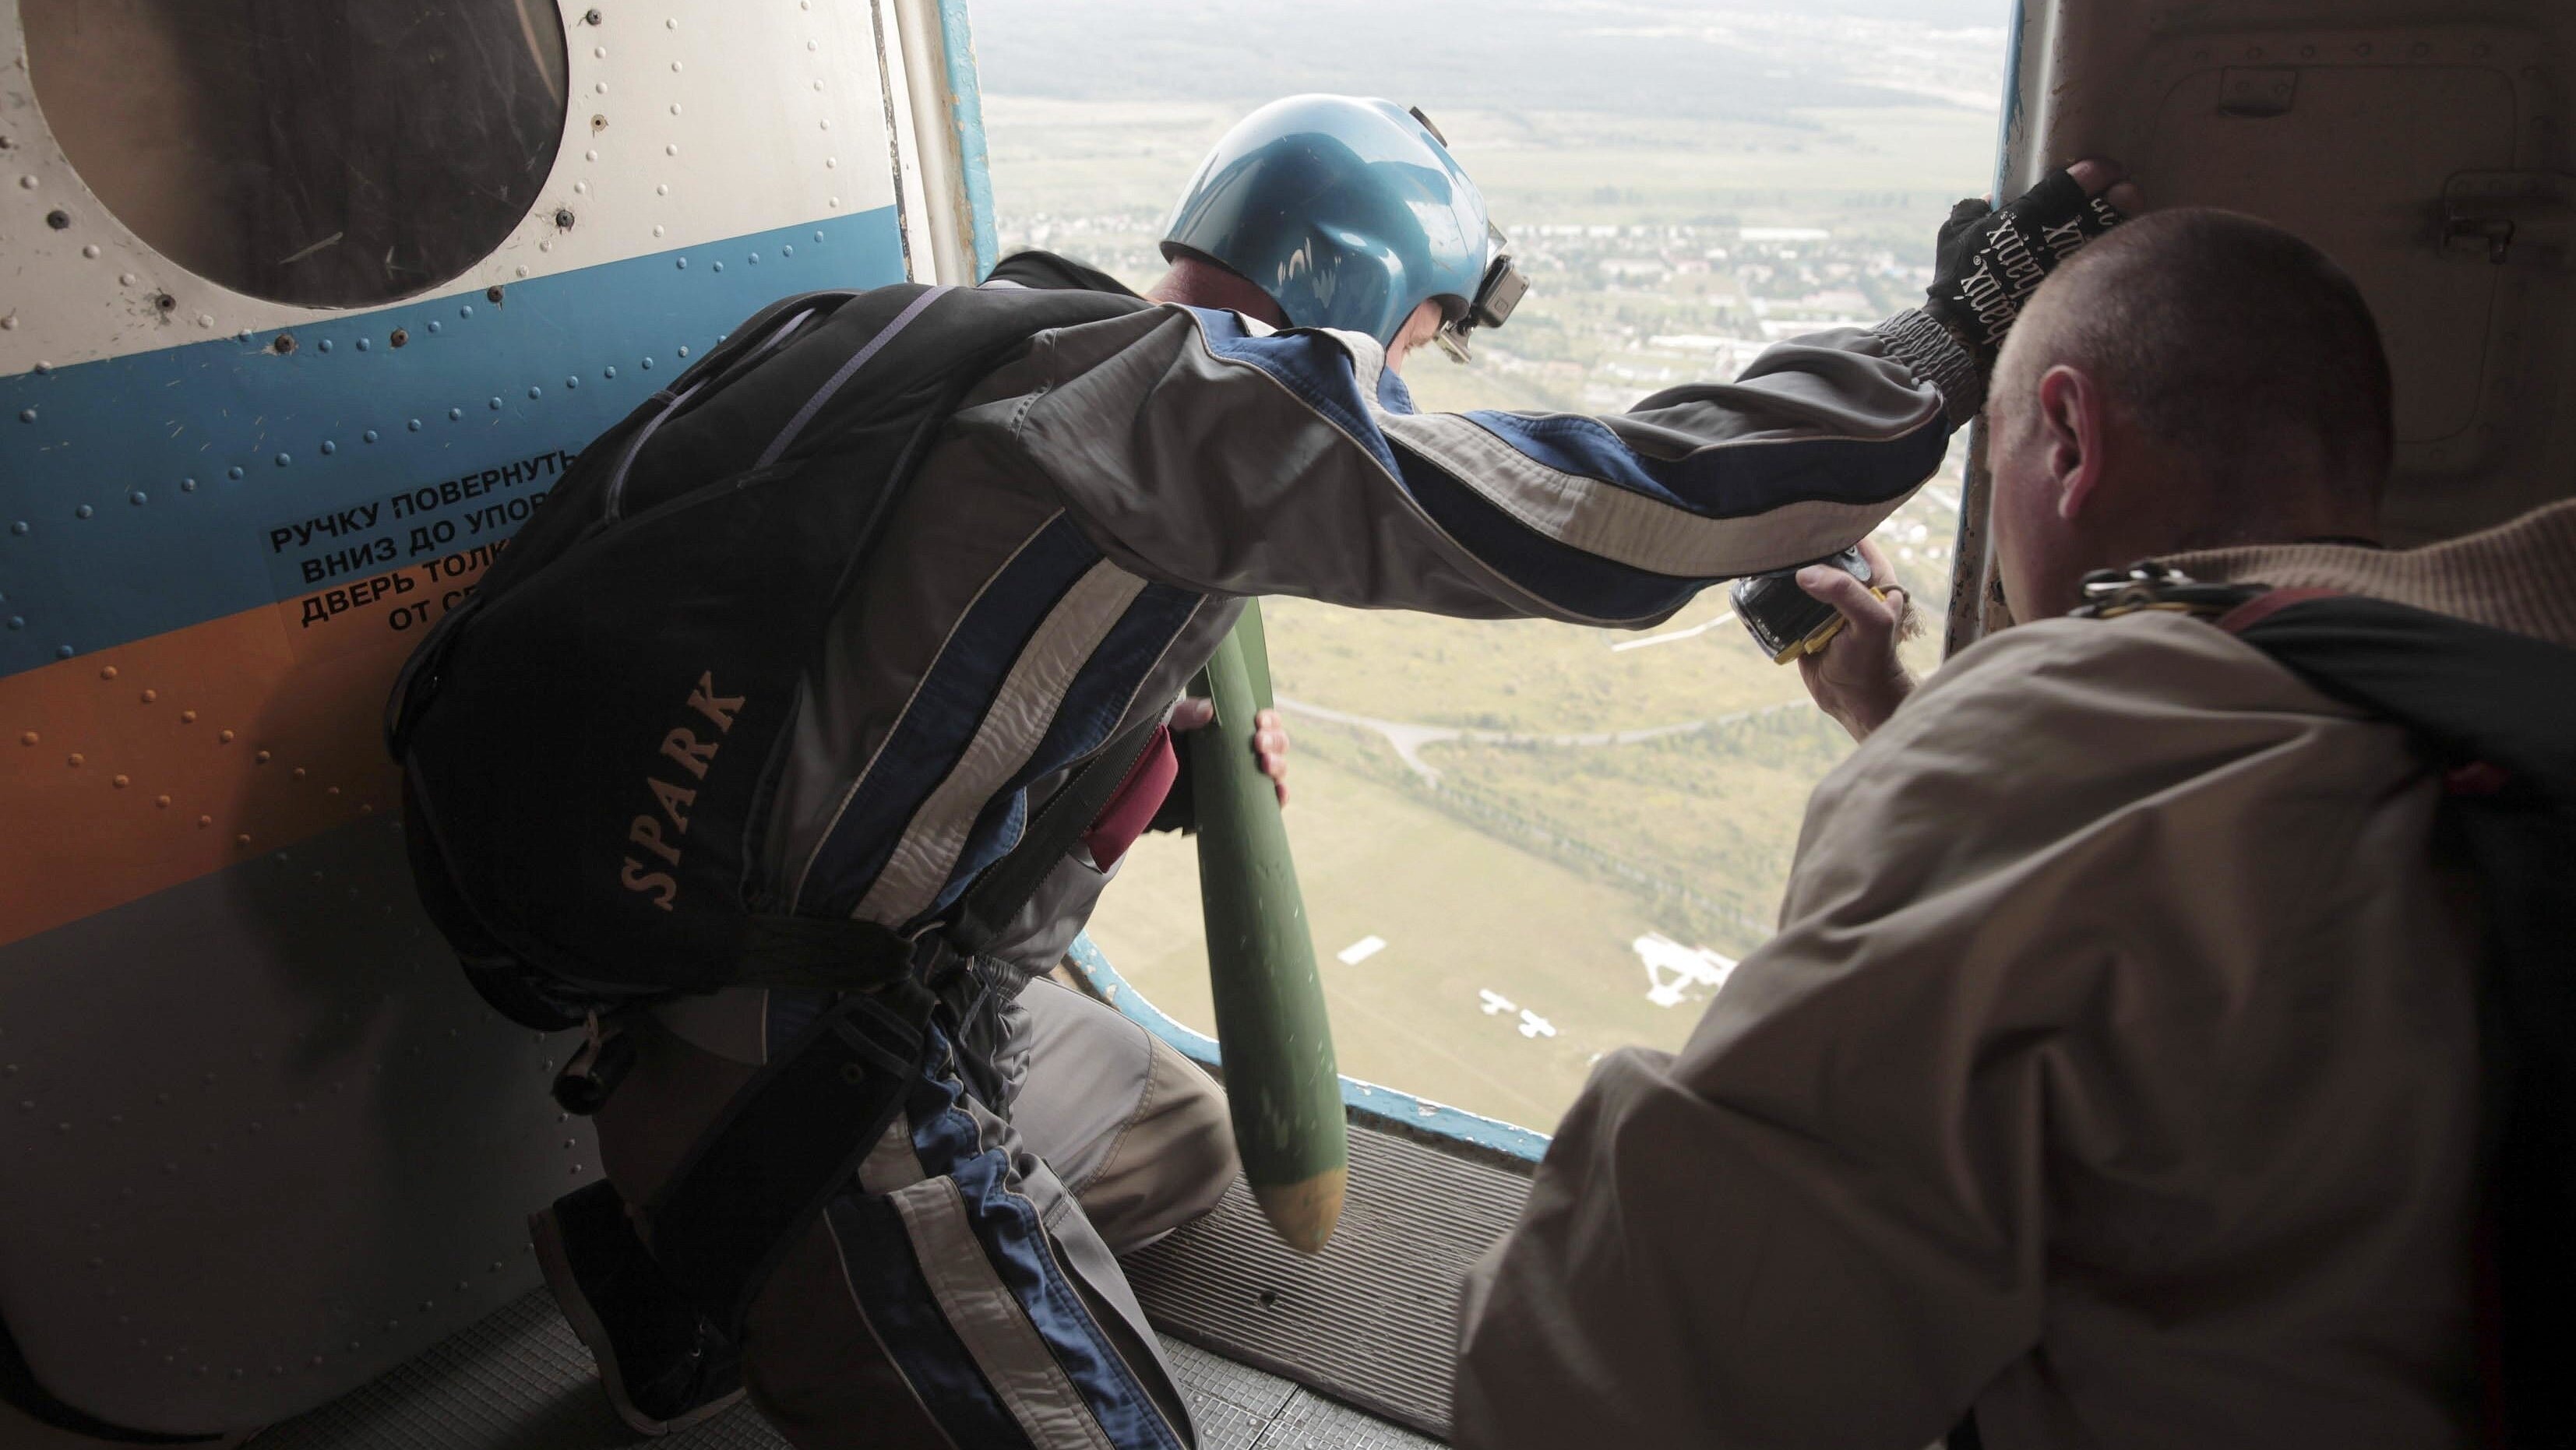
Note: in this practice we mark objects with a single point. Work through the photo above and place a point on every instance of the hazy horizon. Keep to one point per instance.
(1624, 57)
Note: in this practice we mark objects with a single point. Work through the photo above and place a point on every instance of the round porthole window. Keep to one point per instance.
(330, 153)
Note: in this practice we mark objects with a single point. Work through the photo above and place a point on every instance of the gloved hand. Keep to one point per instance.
(1987, 262)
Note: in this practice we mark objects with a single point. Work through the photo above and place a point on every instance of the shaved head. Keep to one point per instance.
(2194, 378)
(2226, 337)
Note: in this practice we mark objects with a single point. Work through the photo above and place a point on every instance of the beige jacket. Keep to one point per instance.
(2113, 1072)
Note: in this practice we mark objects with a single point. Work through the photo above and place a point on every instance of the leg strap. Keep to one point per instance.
(792, 1137)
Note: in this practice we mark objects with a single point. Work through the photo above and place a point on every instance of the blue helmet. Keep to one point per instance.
(1350, 213)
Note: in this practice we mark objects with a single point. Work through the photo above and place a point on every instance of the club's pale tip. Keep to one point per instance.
(1305, 1212)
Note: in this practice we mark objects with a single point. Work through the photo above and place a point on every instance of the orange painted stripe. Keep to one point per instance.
(134, 769)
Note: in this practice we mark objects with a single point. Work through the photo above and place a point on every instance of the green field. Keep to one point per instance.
(1527, 868)
(1460, 912)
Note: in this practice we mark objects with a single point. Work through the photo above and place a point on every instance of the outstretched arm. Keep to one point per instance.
(1205, 451)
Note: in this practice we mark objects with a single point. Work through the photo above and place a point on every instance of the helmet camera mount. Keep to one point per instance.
(1498, 293)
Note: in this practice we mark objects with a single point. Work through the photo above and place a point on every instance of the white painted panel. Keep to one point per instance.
(688, 121)
(940, 214)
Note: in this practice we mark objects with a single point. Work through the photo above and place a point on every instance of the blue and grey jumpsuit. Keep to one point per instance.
(1070, 553)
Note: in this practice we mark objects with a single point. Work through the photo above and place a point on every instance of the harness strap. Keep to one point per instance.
(820, 954)
(2495, 712)
(797, 1132)
(2478, 694)
(785, 1144)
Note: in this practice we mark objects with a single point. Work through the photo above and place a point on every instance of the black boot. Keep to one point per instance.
(665, 1365)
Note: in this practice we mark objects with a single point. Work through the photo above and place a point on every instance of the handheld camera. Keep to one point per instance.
(1786, 620)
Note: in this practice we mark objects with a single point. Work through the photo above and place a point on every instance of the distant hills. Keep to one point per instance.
(1749, 61)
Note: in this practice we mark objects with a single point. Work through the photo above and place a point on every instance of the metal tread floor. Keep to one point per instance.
(1370, 1320)
(1373, 1318)
(520, 1381)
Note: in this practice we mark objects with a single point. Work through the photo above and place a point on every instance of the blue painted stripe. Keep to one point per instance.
(941, 720)
(1015, 1242)
(1364, 1100)
(141, 497)
(1091, 709)
(1733, 480)
(905, 1313)
(966, 117)
(2008, 120)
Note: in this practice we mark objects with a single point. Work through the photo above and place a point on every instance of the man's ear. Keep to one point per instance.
(2069, 406)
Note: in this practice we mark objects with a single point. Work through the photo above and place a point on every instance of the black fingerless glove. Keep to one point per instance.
(1988, 262)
